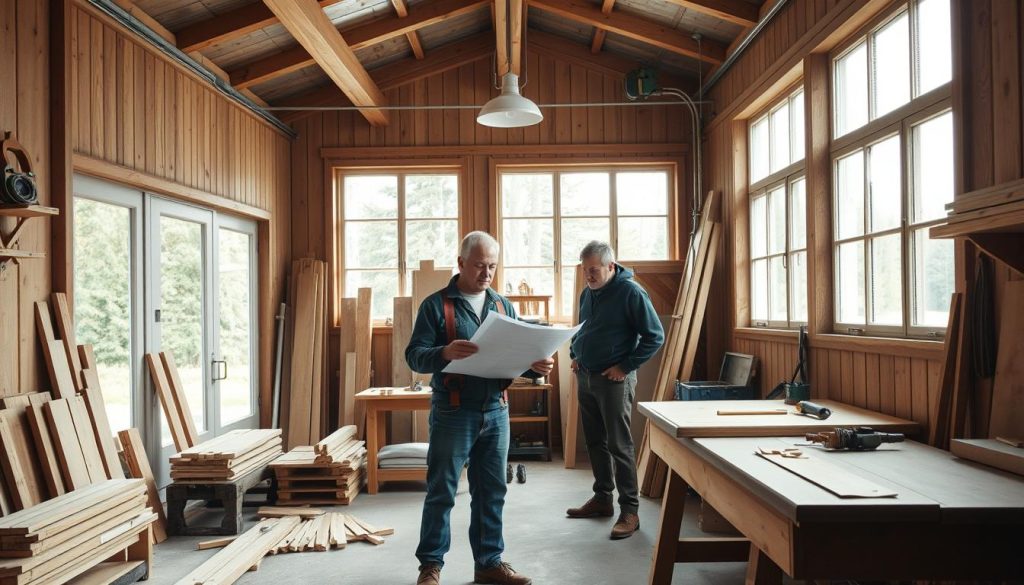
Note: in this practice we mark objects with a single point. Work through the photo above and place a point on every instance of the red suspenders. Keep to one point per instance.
(455, 382)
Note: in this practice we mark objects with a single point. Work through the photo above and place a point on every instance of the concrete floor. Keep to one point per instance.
(539, 541)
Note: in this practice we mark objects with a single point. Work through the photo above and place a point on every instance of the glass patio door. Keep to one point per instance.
(201, 308)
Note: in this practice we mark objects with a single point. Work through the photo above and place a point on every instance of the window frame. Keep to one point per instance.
(899, 122)
(785, 177)
(671, 169)
(340, 270)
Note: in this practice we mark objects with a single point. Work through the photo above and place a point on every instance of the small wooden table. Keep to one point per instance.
(952, 519)
(378, 402)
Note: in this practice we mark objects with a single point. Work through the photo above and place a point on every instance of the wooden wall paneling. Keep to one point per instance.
(919, 392)
(1007, 388)
(860, 391)
(871, 382)
(982, 123)
(902, 389)
(10, 309)
(1006, 91)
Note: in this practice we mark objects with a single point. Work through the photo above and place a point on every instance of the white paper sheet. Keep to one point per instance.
(509, 347)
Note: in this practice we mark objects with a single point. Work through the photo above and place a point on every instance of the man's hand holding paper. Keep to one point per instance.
(505, 348)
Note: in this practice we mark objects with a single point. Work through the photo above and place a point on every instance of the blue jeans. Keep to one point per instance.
(457, 435)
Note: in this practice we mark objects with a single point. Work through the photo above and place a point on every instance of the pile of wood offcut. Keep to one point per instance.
(330, 472)
(227, 457)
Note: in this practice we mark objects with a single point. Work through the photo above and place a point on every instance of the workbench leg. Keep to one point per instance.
(672, 503)
(372, 448)
(761, 570)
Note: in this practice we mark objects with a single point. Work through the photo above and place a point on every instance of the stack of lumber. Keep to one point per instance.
(227, 457)
(330, 472)
(321, 531)
(59, 539)
(304, 381)
(683, 336)
(242, 554)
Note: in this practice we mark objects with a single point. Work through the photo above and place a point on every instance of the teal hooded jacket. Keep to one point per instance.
(620, 326)
(430, 335)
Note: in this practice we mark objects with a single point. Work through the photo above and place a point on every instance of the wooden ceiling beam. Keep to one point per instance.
(734, 11)
(648, 31)
(508, 33)
(413, 37)
(311, 27)
(445, 58)
(600, 33)
(357, 37)
(230, 25)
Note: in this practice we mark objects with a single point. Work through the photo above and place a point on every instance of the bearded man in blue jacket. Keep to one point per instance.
(468, 417)
(620, 332)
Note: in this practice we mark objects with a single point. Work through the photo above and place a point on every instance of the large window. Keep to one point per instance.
(390, 221)
(548, 215)
(778, 239)
(892, 164)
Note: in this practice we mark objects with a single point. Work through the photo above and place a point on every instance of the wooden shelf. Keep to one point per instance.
(992, 218)
(7, 250)
(30, 211)
(527, 418)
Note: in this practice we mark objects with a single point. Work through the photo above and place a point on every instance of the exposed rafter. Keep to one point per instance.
(230, 25)
(600, 33)
(311, 27)
(644, 30)
(413, 37)
(357, 37)
(508, 29)
(734, 11)
(445, 58)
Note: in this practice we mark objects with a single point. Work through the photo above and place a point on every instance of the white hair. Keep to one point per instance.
(600, 249)
(477, 238)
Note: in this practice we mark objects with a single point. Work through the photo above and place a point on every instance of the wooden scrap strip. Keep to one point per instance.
(53, 351)
(163, 391)
(215, 543)
(45, 449)
(65, 440)
(66, 326)
(232, 561)
(138, 466)
(87, 439)
(101, 424)
(284, 512)
(180, 401)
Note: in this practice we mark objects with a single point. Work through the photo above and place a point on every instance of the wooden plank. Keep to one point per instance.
(317, 394)
(573, 407)
(364, 350)
(138, 465)
(401, 375)
(53, 351)
(163, 391)
(66, 326)
(311, 27)
(18, 444)
(87, 439)
(45, 450)
(236, 558)
(990, 452)
(1008, 381)
(69, 451)
(101, 425)
(177, 390)
(297, 429)
(833, 478)
(21, 495)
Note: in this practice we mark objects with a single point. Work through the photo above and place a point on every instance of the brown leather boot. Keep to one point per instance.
(429, 575)
(625, 526)
(593, 507)
(500, 574)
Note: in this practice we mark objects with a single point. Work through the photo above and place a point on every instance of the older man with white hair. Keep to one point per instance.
(468, 417)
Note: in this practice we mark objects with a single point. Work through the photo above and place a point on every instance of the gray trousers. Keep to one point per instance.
(605, 408)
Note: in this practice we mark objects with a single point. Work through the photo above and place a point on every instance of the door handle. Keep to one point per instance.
(223, 368)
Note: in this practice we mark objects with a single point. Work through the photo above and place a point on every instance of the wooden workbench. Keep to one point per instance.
(951, 519)
(380, 401)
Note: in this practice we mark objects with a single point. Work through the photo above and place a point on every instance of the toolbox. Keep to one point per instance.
(738, 370)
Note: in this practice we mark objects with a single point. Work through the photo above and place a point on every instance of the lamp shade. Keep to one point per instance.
(510, 109)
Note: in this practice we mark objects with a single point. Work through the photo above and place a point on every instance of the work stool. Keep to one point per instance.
(231, 494)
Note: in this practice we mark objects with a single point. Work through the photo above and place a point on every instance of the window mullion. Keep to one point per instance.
(556, 243)
(402, 259)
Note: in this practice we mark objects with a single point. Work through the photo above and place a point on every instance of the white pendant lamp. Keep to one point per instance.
(510, 109)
